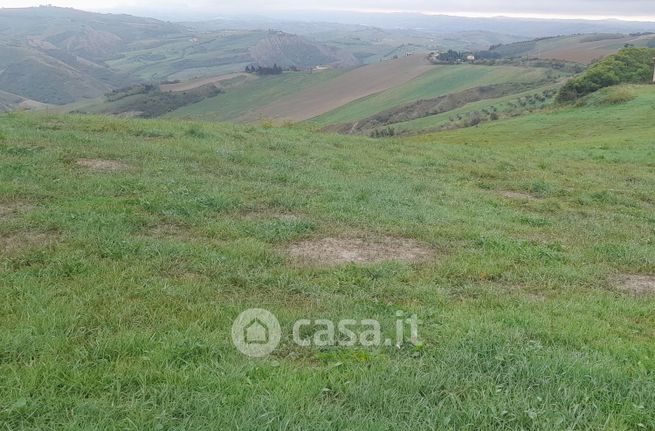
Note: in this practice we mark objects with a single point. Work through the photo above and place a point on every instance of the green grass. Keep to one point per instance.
(501, 103)
(118, 289)
(241, 100)
(180, 58)
(443, 80)
(439, 82)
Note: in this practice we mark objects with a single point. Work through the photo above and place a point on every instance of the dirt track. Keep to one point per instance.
(356, 84)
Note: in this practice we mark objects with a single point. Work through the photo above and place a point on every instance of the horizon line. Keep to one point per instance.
(512, 15)
(489, 15)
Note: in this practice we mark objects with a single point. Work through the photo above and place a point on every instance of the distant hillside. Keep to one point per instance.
(56, 55)
(59, 56)
(444, 24)
(87, 34)
(289, 50)
(580, 48)
(361, 100)
(10, 102)
(49, 81)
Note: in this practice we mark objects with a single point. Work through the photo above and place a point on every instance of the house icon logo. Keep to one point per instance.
(256, 333)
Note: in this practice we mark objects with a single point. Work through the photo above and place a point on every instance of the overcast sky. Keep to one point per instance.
(623, 9)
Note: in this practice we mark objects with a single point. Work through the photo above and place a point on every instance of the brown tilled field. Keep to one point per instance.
(351, 86)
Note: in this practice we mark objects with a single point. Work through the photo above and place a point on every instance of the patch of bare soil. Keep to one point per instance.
(637, 284)
(9, 209)
(336, 251)
(13, 244)
(101, 165)
(518, 195)
(167, 231)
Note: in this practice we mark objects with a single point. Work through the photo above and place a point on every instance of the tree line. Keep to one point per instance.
(264, 70)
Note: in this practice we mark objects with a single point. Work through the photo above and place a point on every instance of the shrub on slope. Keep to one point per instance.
(630, 65)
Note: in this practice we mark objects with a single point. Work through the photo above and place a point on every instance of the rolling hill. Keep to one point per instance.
(337, 99)
(84, 55)
(55, 55)
(585, 48)
(324, 95)
(288, 50)
(61, 56)
(524, 246)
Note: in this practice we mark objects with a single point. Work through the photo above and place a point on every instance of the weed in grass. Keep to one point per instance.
(195, 131)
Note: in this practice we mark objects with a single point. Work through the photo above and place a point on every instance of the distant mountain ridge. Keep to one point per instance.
(529, 28)
(56, 55)
(288, 50)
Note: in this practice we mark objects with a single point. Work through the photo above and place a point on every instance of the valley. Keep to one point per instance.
(326, 220)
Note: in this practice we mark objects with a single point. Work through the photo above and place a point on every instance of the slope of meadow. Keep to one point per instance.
(129, 247)
(334, 97)
(501, 107)
(246, 99)
(439, 81)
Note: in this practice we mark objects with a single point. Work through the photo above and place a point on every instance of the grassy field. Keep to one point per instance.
(440, 81)
(245, 99)
(502, 104)
(301, 95)
(181, 58)
(129, 247)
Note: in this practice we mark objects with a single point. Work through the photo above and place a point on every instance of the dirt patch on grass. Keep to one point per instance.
(518, 195)
(167, 231)
(637, 284)
(9, 209)
(101, 165)
(14, 244)
(336, 251)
